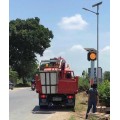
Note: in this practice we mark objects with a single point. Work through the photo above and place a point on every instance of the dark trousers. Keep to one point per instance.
(90, 105)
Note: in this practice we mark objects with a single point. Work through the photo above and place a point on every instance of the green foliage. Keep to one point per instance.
(13, 76)
(22, 85)
(26, 39)
(72, 117)
(27, 69)
(93, 118)
(42, 66)
(107, 75)
(104, 92)
(83, 84)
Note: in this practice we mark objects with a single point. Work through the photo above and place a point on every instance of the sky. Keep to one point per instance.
(73, 28)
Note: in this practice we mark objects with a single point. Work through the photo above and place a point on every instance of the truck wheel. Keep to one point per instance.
(71, 108)
(42, 106)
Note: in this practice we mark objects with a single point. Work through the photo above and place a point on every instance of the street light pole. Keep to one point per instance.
(97, 4)
(97, 37)
(97, 43)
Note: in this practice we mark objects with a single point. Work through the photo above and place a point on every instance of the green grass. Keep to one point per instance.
(80, 107)
(72, 117)
(93, 118)
(80, 104)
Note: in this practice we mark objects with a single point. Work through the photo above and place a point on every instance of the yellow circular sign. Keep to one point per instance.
(92, 56)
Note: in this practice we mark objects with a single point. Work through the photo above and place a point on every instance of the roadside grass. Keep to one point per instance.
(92, 118)
(80, 107)
(81, 102)
(72, 117)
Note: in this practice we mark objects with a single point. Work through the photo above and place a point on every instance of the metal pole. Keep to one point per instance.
(92, 73)
(97, 42)
(97, 4)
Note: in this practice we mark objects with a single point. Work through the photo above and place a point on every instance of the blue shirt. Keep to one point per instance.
(93, 93)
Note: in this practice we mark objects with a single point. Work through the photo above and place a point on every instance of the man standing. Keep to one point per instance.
(92, 99)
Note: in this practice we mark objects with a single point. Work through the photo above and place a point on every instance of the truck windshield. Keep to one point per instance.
(69, 74)
(49, 64)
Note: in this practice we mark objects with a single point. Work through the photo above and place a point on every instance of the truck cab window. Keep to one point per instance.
(68, 75)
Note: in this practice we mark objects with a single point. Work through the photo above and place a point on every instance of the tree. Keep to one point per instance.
(85, 75)
(13, 76)
(27, 69)
(107, 75)
(83, 84)
(26, 39)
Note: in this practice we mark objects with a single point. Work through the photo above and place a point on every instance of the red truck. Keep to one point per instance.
(56, 83)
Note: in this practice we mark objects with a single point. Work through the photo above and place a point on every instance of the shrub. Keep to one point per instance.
(107, 75)
(13, 76)
(104, 92)
(22, 85)
(83, 84)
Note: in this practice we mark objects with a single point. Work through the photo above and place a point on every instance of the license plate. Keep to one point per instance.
(57, 99)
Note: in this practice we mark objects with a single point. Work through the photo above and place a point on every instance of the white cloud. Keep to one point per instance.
(75, 22)
(77, 48)
(105, 49)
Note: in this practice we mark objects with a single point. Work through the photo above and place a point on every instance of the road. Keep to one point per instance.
(23, 105)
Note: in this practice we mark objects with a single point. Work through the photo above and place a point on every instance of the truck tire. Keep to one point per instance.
(42, 106)
(72, 108)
